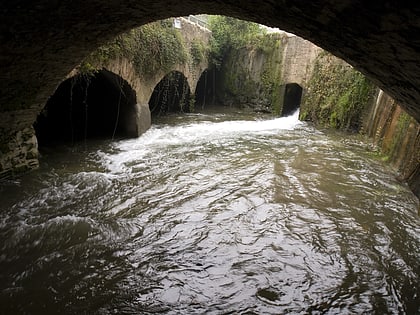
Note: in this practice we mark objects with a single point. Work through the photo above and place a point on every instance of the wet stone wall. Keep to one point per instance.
(19, 153)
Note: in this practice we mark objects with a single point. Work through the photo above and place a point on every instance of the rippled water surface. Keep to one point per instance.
(211, 214)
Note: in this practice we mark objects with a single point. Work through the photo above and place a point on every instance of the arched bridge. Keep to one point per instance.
(124, 69)
(42, 41)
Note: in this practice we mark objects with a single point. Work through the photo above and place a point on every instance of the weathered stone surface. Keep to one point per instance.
(42, 41)
(340, 97)
(20, 154)
(398, 136)
(298, 59)
(257, 77)
(15, 151)
(144, 119)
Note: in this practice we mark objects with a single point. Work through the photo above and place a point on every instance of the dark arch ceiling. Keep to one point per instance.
(41, 41)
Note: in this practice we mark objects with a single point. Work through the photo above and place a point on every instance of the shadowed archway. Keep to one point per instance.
(205, 92)
(85, 107)
(171, 95)
(378, 38)
(292, 96)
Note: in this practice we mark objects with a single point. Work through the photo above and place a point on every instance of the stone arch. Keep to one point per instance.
(171, 94)
(102, 105)
(379, 39)
(291, 96)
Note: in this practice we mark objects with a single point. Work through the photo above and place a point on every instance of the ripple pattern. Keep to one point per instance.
(206, 215)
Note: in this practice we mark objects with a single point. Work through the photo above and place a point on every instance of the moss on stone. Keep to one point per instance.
(403, 123)
(251, 75)
(198, 52)
(152, 47)
(337, 94)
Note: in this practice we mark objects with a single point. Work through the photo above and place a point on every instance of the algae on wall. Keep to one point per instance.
(251, 76)
(398, 136)
(340, 97)
(151, 48)
(337, 95)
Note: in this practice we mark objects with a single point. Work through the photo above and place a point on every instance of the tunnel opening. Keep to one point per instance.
(98, 106)
(292, 97)
(205, 92)
(171, 95)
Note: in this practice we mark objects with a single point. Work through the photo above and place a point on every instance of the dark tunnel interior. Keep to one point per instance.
(98, 106)
(205, 93)
(292, 98)
(171, 95)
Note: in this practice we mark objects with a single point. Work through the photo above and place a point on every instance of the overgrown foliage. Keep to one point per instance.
(152, 47)
(230, 33)
(337, 95)
(198, 52)
(249, 63)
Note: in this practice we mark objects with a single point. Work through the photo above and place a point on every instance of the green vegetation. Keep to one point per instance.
(271, 75)
(249, 63)
(153, 47)
(198, 52)
(401, 131)
(337, 95)
(229, 33)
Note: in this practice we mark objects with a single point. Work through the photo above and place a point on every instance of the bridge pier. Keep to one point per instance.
(144, 120)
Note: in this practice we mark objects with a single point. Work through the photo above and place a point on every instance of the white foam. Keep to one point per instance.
(158, 138)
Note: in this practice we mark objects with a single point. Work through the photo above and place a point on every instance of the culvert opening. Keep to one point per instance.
(171, 95)
(205, 92)
(292, 97)
(101, 106)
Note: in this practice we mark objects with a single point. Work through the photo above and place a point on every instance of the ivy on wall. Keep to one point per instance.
(249, 63)
(152, 47)
(337, 94)
(229, 33)
(198, 52)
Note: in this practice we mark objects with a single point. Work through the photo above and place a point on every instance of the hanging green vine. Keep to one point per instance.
(198, 52)
(152, 47)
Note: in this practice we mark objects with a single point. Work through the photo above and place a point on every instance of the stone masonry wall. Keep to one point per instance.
(253, 77)
(18, 144)
(341, 97)
(19, 153)
(298, 60)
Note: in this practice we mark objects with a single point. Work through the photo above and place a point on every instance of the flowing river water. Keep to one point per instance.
(211, 214)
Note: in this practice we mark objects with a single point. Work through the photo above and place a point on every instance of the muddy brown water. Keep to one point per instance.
(223, 213)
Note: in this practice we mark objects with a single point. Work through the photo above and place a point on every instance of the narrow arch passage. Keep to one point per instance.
(205, 92)
(171, 95)
(292, 96)
(102, 106)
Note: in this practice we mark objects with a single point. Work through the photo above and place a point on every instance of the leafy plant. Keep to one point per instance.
(152, 47)
(230, 33)
(337, 94)
(198, 51)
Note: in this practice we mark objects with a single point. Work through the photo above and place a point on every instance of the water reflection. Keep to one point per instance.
(208, 215)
